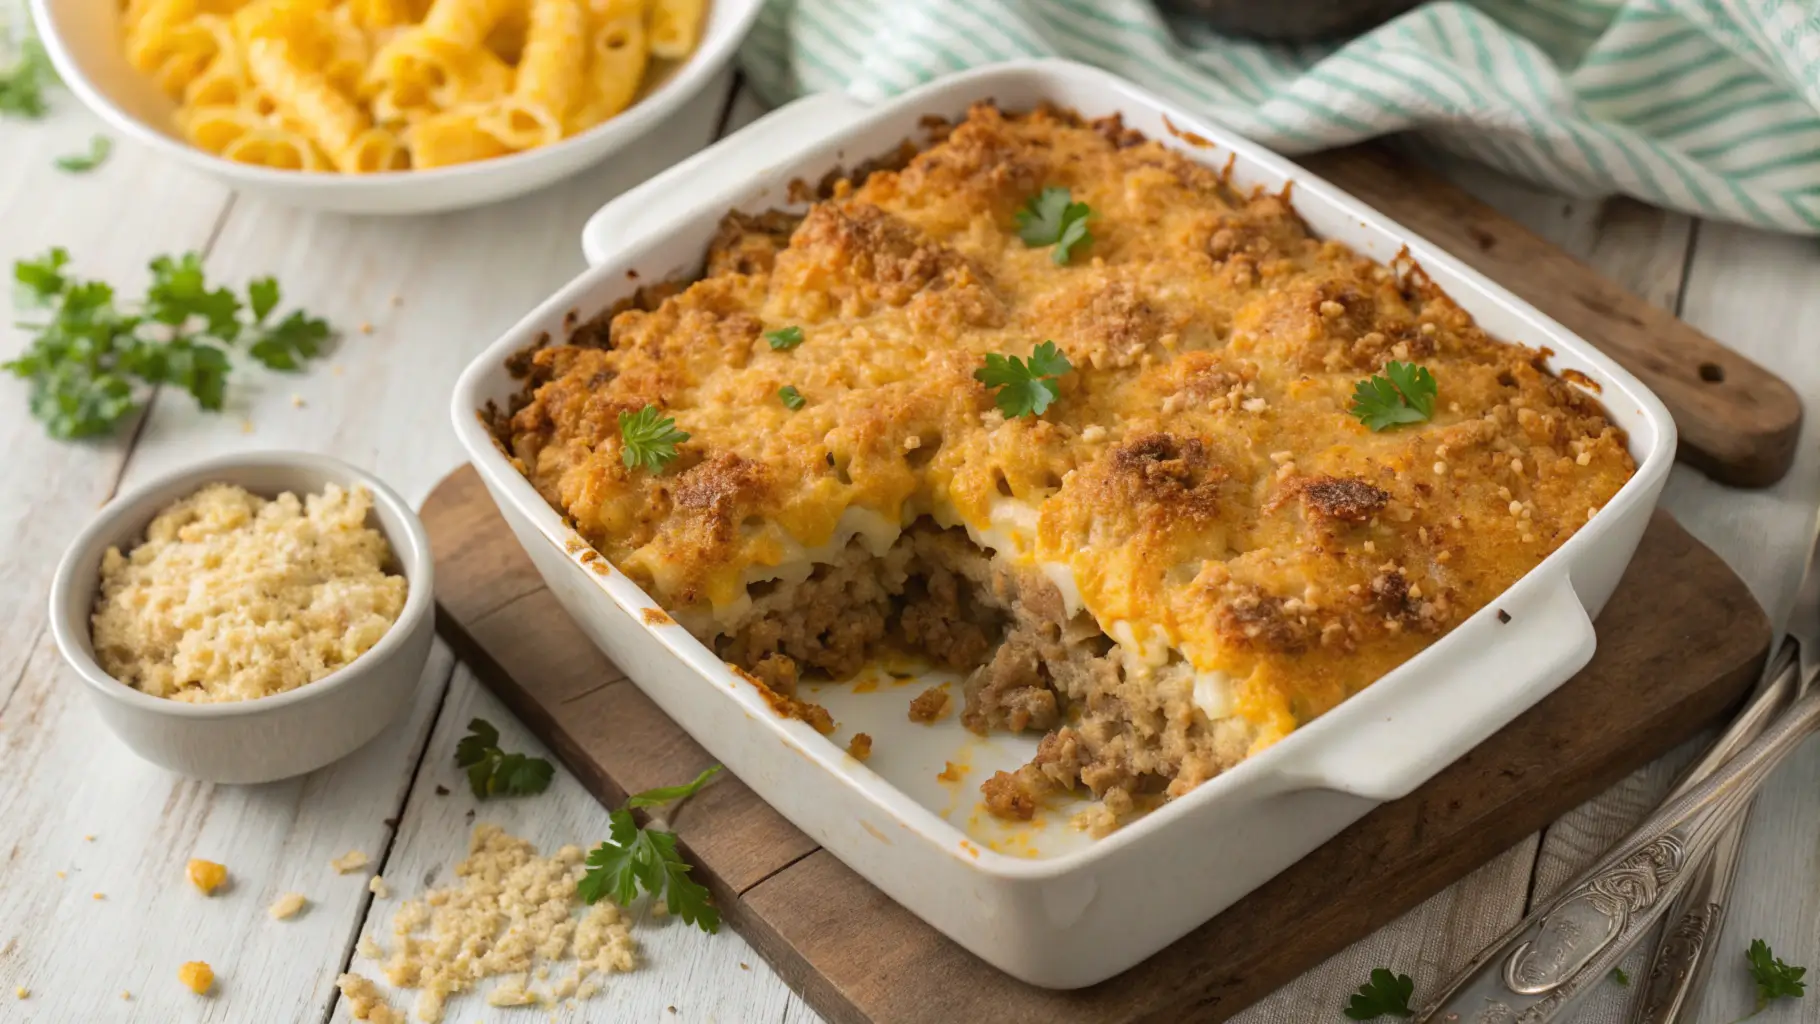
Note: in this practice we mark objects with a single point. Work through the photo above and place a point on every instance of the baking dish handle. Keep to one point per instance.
(715, 177)
(1520, 651)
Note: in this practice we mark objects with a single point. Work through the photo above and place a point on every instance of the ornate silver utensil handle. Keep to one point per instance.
(1557, 953)
(1683, 957)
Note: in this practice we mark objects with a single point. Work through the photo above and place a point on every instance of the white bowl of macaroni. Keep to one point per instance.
(249, 618)
(388, 106)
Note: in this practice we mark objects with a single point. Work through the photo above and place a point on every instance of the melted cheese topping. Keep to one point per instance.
(1199, 488)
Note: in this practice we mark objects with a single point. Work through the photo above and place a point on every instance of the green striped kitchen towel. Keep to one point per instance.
(1706, 106)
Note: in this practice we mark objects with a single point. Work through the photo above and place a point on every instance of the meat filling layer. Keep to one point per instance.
(1113, 725)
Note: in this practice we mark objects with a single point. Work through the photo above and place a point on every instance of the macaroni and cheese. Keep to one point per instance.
(360, 86)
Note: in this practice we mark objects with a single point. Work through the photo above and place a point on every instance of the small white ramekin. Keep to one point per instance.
(270, 737)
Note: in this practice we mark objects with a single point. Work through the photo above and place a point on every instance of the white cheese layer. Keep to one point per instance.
(874, 531)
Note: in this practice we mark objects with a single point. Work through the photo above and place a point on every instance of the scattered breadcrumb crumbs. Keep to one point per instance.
(22, 992)
(860, 746)
(510, 992)
(126, 995)
(512, 916)
(297, 401)
(376, 886)
(366, 327)
(369, 947)
(365, 1002)
(246, 426)
(931, 705)
(206, 875)
(197, 976)
(88, 839)
(100, 896)
(351, 861)
(744, 966)
(287, 905)
(62, 874)
(232, 596)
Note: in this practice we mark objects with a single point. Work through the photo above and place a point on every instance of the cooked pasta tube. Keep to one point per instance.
(451, 138)
(332, 120)
(616, 65)
(276, 148)
(549, 77)
(674, 27)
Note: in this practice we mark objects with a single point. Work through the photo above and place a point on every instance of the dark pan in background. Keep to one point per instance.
(1290, 21)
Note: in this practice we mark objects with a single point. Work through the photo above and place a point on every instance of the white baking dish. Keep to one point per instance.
(1081, 910)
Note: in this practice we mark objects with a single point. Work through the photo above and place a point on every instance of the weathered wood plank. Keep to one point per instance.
(113, 221)
(704, 978)
(1760, 293)
(77, 953)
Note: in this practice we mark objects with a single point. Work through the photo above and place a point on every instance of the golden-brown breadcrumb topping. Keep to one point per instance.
(1199, 479)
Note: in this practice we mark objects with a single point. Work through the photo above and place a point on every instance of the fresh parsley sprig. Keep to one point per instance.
(635, 858)
(785, 338)
(670, 794)
(1052, 217)
(791, 397)
(1025, 388)
(1385, 993)
(1775, 979)
(86, 362)
(648, 439)
(492, 771)
(23, 83)
(99, 146)
(1403, 393)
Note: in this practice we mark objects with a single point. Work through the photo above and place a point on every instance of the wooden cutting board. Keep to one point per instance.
(1679, 643)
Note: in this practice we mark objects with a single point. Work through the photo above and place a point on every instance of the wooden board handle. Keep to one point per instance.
(1738, 421)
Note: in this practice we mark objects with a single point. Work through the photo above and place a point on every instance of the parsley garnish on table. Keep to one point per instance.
(492, 771)
(99, 147)
(635, 858)
(1025, 388)
(1386, 994)
(1403, 393)
(1052, 217)
(22, 83)
(86, 361)
(1775, 979)
(648, 439)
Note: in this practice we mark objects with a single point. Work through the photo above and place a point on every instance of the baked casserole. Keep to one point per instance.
(1055, 406)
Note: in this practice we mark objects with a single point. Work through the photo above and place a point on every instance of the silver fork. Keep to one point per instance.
(1543, 966)
(1683, 955)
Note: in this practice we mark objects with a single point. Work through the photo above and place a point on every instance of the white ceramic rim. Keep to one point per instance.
(632, 121)
(1554, 570)
(75, 640)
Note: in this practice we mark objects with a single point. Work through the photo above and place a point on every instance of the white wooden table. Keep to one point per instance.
(80, 816)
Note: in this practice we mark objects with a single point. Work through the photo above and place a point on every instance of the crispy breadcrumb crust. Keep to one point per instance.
(1199, 477)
